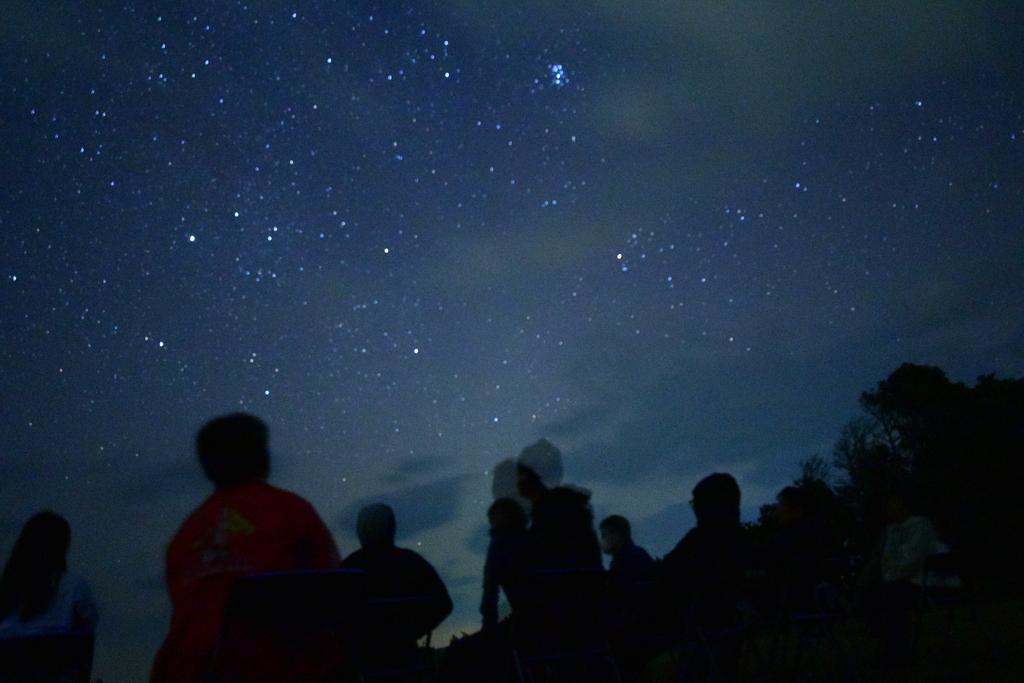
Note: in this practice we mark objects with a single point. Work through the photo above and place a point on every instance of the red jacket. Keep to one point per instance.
(239, 530)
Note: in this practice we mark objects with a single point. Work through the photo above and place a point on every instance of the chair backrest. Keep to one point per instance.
(275, 618)
(564, 602)
(51, 656)
(297, 599)
(386, 647)
(811, 586)
(391, 619)
(941, 572)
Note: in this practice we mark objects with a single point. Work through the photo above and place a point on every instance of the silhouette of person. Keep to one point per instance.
(504, 565)
(504, 482)
(897, 574)
(798, 555)
(629, 602)
(395, 573)
(704, 573)
(561, 532)
(245, 526)
(630, 563)
(38, 594)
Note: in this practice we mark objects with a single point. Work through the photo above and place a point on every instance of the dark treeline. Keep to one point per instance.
(956, 446)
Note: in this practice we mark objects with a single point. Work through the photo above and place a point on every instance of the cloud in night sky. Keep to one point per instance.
(419, 508)
(408, 469)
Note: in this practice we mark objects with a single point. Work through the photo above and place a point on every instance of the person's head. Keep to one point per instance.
(793, 504)
(615, 533)
(506, 513)
(232, 449)
(38, 558)
(375, 526)
(900, 502)
(716, 500)
(538, 468)
(503, 479)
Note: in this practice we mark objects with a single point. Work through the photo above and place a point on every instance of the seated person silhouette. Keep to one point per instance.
(505, 482)
(703, 575)
(503, 567)
(630, 601)
(630, 564)
(798, 557)
(561, 532)
(41, 600)
(245, 526)
(411, 600)
(896, 574)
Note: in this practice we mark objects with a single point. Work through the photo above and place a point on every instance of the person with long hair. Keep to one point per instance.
(38, 595)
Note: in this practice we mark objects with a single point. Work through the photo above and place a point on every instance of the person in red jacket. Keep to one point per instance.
(246, 526)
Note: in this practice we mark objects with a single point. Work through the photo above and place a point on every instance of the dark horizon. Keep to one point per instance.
(415, 239)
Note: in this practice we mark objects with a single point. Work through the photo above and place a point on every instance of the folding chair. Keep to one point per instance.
(636, 632)
(816, 633)
(941, 591)
(559, 633)
(704, 645)
(49, 656)
(727, 646)
(414, 666)
(804, 615)
(289, 626)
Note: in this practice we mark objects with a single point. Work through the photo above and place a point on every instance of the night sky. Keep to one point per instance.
(416, 238)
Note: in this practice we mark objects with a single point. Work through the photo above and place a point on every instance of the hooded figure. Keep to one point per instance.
(561, 532)
(398, 577)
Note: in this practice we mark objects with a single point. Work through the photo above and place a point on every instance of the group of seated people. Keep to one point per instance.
(540, 531)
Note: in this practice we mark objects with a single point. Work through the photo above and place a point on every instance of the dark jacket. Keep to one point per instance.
(796, 560)
(702, 577)
(407, 597)
(561, 532)
(632, 564)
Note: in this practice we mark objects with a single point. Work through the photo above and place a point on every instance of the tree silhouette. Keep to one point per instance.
(956, 446)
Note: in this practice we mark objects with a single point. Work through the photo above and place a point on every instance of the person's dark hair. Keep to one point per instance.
(716, 500)
(509, 509)
(376, 526)
(617, 524)
(797, 497)
(233, 449)
(903, 490)
(503, 482)
(35, 566)
(527, 472)
(543, 459)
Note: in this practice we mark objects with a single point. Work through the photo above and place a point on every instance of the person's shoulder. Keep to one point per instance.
(72, 588)
(411, 557)
(409, 554)
(283, 498)
(570, 495)
(689, 539)
(641, 553)
(74, 582)
(196, 519)
(198, 511)
(355, 560)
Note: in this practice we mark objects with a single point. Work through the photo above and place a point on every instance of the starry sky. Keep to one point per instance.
(672, 238)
